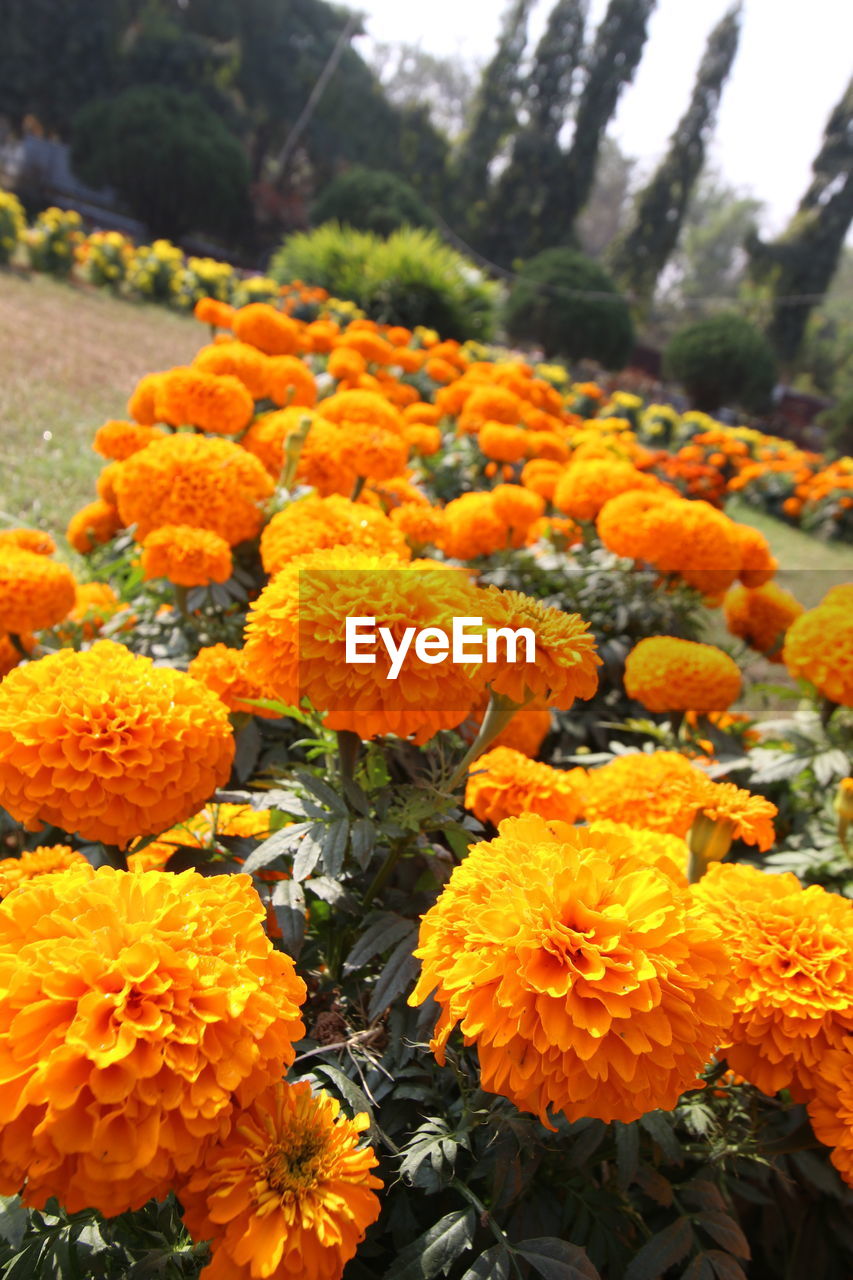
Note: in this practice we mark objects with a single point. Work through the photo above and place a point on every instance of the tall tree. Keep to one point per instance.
(644, 251)
(513, 225)
(493, 114)
(800, 264)
(606, 213)
(611, 63)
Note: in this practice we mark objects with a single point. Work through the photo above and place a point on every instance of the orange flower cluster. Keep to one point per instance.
(587, 485)
(227, 674)
(504, 783)
(187, 556)
(643, 790)
(317, 524)
(108, 745)
(117, 440)
(202, 831)
(35, 591)
(218, 403)
(35, 540)
(761, 616)
(32, 863)
(819, 648)
(93, 525)
(135, 1012)
(586, 976)
(668, 674)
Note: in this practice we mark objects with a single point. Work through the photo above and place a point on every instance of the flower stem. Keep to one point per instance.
(498, 715)
(181, 601)
(384, 873)
(827, 710)
(357, 488)
(18, 644)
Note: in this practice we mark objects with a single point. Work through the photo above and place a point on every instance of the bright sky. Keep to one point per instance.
(792, 66)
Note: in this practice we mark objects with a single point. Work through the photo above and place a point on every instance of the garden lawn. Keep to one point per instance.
(69, 359)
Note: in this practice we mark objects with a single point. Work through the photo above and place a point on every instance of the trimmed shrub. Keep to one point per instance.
(411, 278)
(546, 306)
(371, 200)
(722, 360)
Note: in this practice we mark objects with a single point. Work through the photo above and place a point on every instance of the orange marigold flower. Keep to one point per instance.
(758, 563)
(819, 648)
(640, 789)
(296, 645)
(695, 541)
(735, 813)
(422, 526)
(504, 783)
(345, 364)
(226, 672)
(142, 405)
(220, 315)
(106, 483)
(840, 597)
(587, 978)
(440, 370)
(526, 731)
(288, 1193)
(792, 951)
(291, 382)
(374, 433)
(502, 442)
(217, 403)
(35, 540)
(473, 527)
(263, 327)
(585, 486)
(655, 847)
(831, 1106)
(519, 508)
(667, 674)
(190, 479)
(541, 475)
(558, 530)
(203, 831)
(267, 437)
(761, 616)
(35, 592)
(93, 525)
(423, 438)
(325, 460)
(314, 524)
(94, 604)
(490, 404)
(108, 745)
(117, 440)
(36, 862)
(622, 525)
(10, 655)
(237, 360)
(138, 1013)
(420, 412)
(565, 662)
(187, 556)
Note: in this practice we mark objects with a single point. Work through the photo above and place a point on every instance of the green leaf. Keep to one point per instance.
(288, 903)
(658, 1125)
(557, 1260)
(323, 792)
(332, 891)
(434, 1253)
(397, 976)
(335, 846)
(355, 1097)
(494, 1264)
(725, 1266)
(276, 846)
(13, 1220)
(310, 848)
(723, 1228)
(627, 1152)
(387, 930)
(661, 1252)
(362, 841)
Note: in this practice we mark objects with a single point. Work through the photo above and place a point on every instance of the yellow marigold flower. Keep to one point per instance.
(35, 540)
(667, 674)
(35, 592)
(264, 327)
(840, 597)
(585, 486)
(296, 641)
(565, 662)
(108, 745)
(193, 480)
(587, 978)
(761, 616)
(655, 846)
(724, 813)
(640, 789)
(93, 525)
(237, 360)
(226, 672)
(186, 556)
(315, 524)
(819, 648)
(504, 783)
(288, 1193)
(473, 527)
(758, 563)
(117, 440)
(792, 951)
(217, 403)
(142, 405)
(137, 1013)
(36, 862)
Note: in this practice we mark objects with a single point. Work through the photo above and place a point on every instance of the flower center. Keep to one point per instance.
(295, 1162)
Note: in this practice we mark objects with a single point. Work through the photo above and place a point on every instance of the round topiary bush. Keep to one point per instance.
(722, 360)
(547, 306)
(371, 200)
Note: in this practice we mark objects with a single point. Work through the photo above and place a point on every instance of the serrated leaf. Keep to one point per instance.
(434, 1253)
(334, 843)
(386, 930)
(278, 845)
(701, 1268)
(661, 1252)
(494, 1264)
(555, 1259)
(288, 904)
(658, 1127)
(323, 792)
(348, 1089)
(331, 891)
(13, 1220)
(399, 974)
(627, 1152)
(725, 1266)
(308, 853)
(704, 1194)
(247, 749)
(722, 1228)
(362, 841)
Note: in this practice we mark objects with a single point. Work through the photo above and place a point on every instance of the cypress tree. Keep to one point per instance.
(661, 207)
(803, 260)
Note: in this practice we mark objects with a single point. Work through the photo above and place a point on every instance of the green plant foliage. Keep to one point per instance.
(411, 278)
(547, 306)
(371, 200)
(722, 360)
